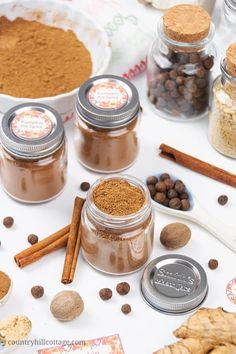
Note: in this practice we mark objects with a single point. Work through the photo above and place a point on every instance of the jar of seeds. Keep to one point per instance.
(222, 117)
(180, 63)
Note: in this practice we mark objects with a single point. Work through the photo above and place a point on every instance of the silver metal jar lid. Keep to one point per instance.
(31, 130)
(107, 101)
(174, 284)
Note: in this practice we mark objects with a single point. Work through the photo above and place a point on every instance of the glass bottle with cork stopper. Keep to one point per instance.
(180, 63)
(33, 153)
(222, 115)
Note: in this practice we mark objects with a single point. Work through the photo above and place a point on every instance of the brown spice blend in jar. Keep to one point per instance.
(5, 283)
(39, 60)
(108, 115)
(33, 153)
(117, 225)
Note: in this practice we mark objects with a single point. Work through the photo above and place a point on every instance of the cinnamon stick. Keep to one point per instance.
(197, 165)
(73, 244)
(48, 245)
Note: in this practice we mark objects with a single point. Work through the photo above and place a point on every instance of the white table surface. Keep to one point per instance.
(144, 330)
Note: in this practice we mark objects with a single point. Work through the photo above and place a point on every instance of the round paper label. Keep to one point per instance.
(108, 95)
(31, 125)
(231, 291)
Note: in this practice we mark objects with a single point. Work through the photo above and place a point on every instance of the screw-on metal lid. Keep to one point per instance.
(107, 101)
(174, 284)
(31, 130)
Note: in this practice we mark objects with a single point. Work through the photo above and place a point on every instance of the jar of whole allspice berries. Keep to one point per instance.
(108, 115)
(117, 225)
(180, 63)
(33, 153)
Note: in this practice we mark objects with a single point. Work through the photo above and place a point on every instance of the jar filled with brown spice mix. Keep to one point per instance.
(117, 225)
(180, 64)
(222, 116)
(33, 153)
(108, 115)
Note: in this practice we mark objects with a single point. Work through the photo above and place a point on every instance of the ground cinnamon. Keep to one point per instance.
(118, 197)
(40, 61)
(5, 284)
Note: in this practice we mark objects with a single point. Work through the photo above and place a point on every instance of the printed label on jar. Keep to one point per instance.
(31, 125)
(231, 291)
(108, 95)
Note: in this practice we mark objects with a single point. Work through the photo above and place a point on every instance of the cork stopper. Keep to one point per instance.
(231, 60)
(186, 23)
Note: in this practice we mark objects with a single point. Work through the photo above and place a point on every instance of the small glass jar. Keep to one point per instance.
(179, 74)
(33, 153)
(117, 244)
(108, 115)
(222, 115)
(227, 25)
(166, 4)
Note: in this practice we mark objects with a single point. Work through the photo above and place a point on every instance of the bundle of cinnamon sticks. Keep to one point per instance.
(69, 237)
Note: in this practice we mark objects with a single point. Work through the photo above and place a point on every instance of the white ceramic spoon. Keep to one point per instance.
(197, 214)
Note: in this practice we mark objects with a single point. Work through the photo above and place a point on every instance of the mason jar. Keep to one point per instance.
(117, 244)
(33, 164)
(106, 126)
(180, 61)
(222, 115)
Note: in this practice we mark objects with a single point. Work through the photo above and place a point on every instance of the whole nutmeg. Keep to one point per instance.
(123, 288)
(175, 235)
(67, 305)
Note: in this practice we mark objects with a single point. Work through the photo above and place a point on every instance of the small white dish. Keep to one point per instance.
(65, 16)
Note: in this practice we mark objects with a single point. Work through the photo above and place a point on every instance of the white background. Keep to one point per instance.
(144, 330)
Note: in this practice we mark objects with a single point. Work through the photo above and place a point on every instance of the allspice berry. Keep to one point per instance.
(123, 288)
(85, 186)
(126, 309)
(213, 264)
(37, 291)
(105, 294)
(223, 199)
(8, 221)
(32, 239)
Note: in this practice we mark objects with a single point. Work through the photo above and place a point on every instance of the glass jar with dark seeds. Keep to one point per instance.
(179, 76)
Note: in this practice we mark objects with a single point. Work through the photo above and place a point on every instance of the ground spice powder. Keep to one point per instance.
(5, 284)
(40, 61)
(118, 197)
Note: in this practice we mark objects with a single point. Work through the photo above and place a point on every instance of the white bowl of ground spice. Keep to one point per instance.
(5, 287)
(48, 49)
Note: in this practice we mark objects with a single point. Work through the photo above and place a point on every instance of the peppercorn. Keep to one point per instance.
(185, 205)
(85, 186)
(164, 176)
(175, 203)
(105, 294)
(123, 288)
(152, 180)
(172, 194)
(160, 197)
(179, 187)
(37, 291)
(213, 264)
(160, 186)
(32, 239)
(223, 199)
(8, 221)
(126, 309)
